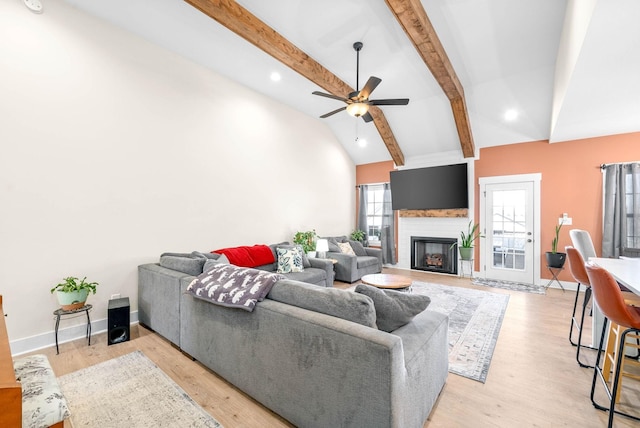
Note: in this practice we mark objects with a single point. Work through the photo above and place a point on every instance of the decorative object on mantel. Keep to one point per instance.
(73, 292)
(554, 258)
(307, 240)
(466, 241)
(453, 212)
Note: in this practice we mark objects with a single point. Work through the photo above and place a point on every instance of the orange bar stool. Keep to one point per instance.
(579, 273)
(625, 320)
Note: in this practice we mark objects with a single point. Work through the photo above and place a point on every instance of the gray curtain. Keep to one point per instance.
(362, 213)
(621, 210)
(387, 234)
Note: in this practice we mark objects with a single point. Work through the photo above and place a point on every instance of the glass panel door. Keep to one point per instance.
(509, 233)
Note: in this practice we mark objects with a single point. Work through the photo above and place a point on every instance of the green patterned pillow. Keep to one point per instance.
(289, 260)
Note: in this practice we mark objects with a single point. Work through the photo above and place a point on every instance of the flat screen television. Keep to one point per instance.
(439, 187)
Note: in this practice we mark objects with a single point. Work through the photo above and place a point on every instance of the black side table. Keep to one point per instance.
(59, 313)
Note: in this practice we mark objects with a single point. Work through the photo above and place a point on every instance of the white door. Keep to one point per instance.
(508, 217)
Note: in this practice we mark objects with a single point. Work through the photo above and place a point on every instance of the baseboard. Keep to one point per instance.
(68, 334)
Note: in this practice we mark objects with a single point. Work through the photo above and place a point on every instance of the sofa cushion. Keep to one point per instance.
(333, 245)
(394, 308)
(358, 248)
(210, 263)
(345, 248)
(309, 275)
(212, 256)
(289, 260)
(364, 261)
(189, 265)
(339, 303)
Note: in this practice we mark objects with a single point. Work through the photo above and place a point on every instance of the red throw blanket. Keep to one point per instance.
(246, 256)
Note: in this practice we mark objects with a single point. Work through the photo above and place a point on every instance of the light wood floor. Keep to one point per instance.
(533, 381)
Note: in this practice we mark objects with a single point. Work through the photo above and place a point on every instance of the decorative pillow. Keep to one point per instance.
(358, 248)
(333, 245)
(330, 301)
(346, 248)
(305, 259)
(394, 308)
(210, 263)
(289, 260)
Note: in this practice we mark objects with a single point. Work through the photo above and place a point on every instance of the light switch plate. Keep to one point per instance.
(565, 221)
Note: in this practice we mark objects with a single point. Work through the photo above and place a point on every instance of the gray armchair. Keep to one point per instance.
(350, 268)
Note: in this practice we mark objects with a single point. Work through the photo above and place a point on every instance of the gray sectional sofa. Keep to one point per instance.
(311, 354)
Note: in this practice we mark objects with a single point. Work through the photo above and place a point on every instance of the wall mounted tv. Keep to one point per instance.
(440, 187)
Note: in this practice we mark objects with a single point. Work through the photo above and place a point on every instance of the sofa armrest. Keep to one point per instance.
(346, 268)
(326, 265)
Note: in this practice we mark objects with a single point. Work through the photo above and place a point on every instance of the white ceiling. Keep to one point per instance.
(504, 53)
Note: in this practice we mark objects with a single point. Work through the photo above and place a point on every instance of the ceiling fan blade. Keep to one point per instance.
(367, 117)
(322, 94)
(371, 84)
(390, 102)
(333, 112)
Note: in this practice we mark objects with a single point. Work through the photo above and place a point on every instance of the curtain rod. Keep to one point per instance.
(604, 165)
(371, 184)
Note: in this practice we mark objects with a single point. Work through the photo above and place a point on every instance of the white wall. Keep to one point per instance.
(115, 150)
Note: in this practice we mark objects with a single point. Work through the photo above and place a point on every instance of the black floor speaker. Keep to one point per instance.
(118, 321)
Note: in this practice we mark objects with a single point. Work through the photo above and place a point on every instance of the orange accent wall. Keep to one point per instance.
(571, 181)
(373, 173)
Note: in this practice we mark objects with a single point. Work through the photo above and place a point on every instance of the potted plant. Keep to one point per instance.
(466, 241)
(357, 235)
(72, 293)
(554, 258)
(307, 240)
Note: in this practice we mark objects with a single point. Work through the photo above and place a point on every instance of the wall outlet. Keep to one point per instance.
(115, 296)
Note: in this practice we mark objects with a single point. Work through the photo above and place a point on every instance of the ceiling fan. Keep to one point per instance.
(358, 102)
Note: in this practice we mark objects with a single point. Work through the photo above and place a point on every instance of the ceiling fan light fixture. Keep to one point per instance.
(357, 109)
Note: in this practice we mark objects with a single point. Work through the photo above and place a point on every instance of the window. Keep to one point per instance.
(632, 199)
(374, 212)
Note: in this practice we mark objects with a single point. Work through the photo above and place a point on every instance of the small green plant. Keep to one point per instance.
(473, 233)
(357, 235)
(306, 239)
(554, 241)
(72, 284)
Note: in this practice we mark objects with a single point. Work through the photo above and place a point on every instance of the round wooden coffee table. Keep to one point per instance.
(387, 280)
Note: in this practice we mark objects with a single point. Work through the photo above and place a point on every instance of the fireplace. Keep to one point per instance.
(434, 254)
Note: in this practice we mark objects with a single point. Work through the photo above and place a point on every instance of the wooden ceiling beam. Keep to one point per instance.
(416, 24)
(246, 25)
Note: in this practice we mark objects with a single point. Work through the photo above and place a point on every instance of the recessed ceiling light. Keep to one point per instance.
(275, 76)
(361, 142)
(510, 115)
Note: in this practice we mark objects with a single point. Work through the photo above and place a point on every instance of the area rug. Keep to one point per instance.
(508, 285)
(475, 318)
(130, 391)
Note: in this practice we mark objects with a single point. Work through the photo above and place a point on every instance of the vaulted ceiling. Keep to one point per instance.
(566, 69)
